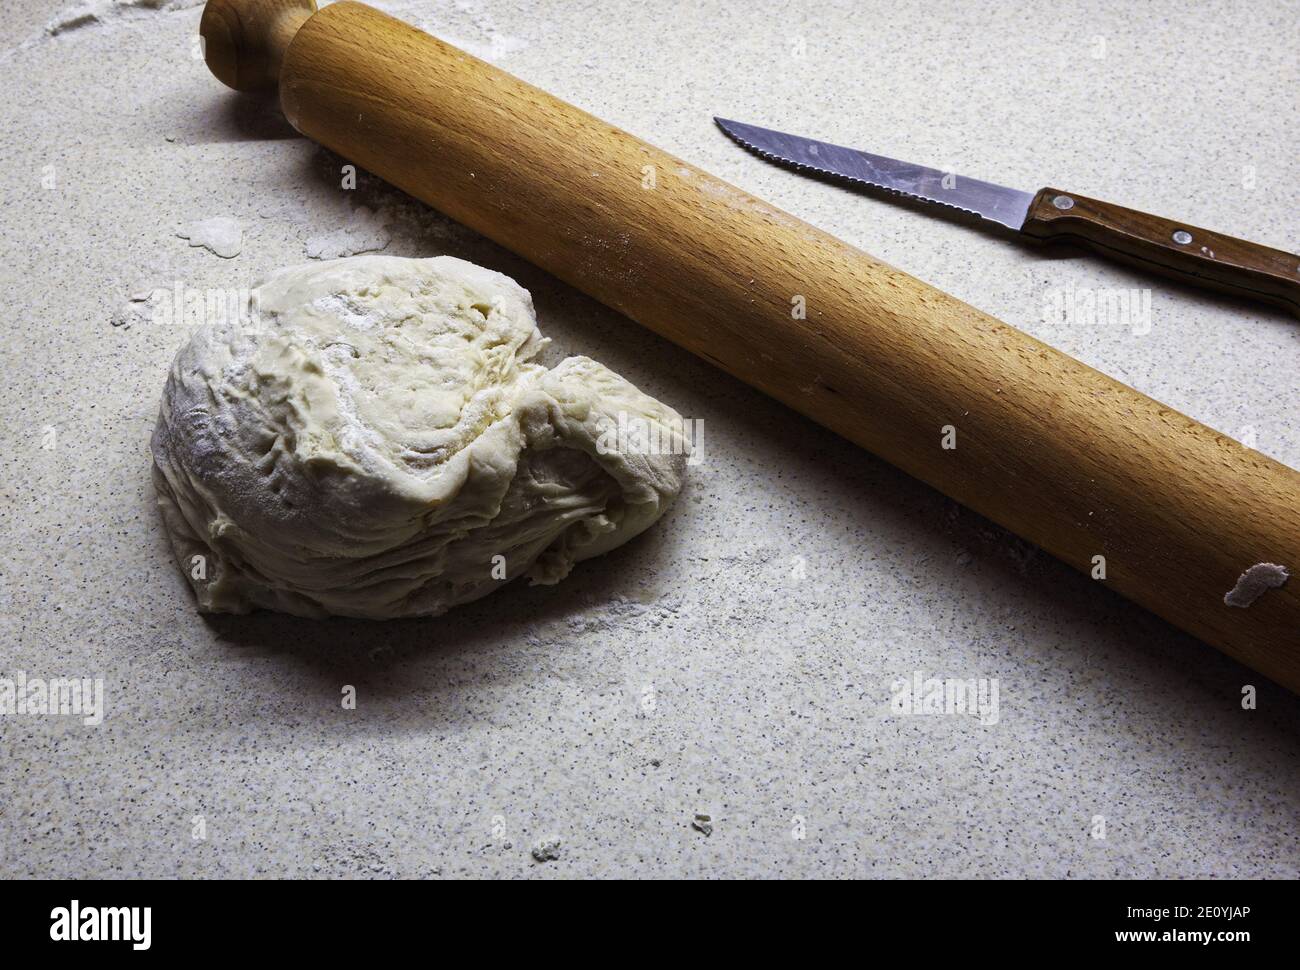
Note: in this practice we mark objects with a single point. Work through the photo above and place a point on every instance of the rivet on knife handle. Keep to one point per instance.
(1175, 249)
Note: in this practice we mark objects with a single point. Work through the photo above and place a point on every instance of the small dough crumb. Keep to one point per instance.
(221, 234)
(1254, 582)
(546, 850)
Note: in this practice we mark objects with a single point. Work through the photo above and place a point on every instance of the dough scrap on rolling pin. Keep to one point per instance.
(374, 434)
(1255, 582)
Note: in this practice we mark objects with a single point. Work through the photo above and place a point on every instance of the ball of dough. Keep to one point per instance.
(375, 440)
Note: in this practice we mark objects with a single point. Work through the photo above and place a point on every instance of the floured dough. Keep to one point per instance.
(376, 434)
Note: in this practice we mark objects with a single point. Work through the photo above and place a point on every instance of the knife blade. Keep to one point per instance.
(1175, 249)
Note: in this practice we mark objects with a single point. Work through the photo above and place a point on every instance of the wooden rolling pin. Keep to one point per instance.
(1066, 457)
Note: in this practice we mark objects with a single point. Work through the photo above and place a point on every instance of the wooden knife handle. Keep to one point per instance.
(1174, 249)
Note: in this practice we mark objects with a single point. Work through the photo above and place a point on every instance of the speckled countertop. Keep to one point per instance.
(735, 662)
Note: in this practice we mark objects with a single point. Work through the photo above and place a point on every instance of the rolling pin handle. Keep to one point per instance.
(244, 40)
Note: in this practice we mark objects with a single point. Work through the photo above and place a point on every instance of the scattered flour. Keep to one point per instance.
(221, 234)
(348, 310)
(143, 289)
(366, 233)
(497, 47)
(464, 26)
(100, 12)
(157, 273)
(140, 294)
(1255, 582)
(134, 312)
(406, 218)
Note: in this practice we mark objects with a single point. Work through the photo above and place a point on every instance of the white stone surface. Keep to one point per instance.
(736, 663)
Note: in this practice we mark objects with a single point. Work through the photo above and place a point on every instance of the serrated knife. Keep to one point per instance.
(1175, 249)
